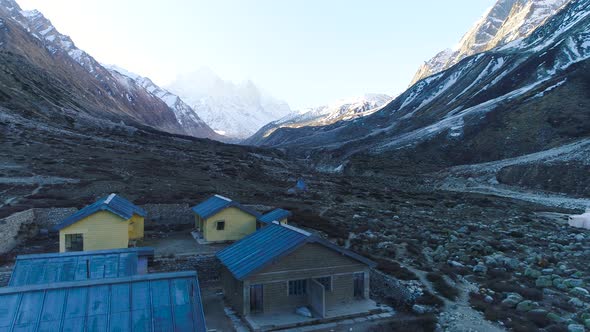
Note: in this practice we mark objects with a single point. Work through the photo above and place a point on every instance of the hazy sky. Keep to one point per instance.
(306, 52)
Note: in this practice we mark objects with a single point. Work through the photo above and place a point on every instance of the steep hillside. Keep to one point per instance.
(345, 109)
(185, 115)
(506, 21)
(32, 47)
(233, 110)
(528, 96)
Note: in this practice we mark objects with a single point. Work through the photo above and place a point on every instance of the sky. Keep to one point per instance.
(305, 52)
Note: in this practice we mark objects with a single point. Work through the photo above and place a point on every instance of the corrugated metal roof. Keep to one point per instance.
(152, 302)
(259, 249)
(217, 203)
(113, 203)
(73, 266)
(256, 251)
(274, 215)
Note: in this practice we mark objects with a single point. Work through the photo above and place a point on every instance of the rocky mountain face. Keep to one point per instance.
(526, 97)
(506, 21)
(233, 110)
(345, 109)
(31, 47)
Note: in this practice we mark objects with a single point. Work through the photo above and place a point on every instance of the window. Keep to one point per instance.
(326, 282)
(298, 287)
(74, 242)
(221, 225)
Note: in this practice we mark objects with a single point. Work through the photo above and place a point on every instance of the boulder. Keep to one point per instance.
(544, 281)
(576, 328)
(579, 291)
(480, 269)
(526, 305)
(531, 273)
(571, 282)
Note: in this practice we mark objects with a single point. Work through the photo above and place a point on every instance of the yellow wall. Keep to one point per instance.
(136, 227)
(238, 224)
(284, 221)
(102, 230)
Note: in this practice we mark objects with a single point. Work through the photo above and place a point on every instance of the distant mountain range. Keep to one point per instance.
(506, 21)
(345, 109)
(235, 110)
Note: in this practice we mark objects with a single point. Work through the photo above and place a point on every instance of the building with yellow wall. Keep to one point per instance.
(221, 219)
(109, 223)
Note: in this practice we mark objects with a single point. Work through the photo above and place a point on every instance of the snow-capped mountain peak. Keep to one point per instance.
(185, 115)
(236, 109)
(506, 21)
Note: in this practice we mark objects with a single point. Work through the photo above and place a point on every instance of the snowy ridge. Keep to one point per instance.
(506, 22)
(341, 110)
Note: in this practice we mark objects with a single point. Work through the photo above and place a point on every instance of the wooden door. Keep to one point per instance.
(256, 299)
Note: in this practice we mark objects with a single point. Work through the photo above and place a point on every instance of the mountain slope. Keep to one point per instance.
(506, 21)
(31, 44)
(185, 115)
(234, 110)
(527, 96)
(345, 109)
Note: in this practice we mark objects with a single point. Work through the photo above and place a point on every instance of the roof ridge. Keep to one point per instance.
(110, 198)
(293, 228)
(223, 197)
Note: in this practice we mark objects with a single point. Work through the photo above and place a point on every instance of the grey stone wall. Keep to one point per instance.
(168, 214)
(208, 267)
(388, 289)
(14, 229)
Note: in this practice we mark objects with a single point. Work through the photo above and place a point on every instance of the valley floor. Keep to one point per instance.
(464, 255)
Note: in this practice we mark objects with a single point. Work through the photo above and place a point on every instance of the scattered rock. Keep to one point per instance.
(576, 328)
(480, 268)
(455, 264)
(579, 291)
(544, 281)
(532, 273)
(419, 309)
(527, 305)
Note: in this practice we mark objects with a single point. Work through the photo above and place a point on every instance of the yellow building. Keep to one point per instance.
(109, 223)
(220, 219)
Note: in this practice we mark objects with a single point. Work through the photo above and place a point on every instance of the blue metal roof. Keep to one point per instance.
(217, 203)
(152, 302)
(256, 251)
(274, 215)
(72, 266)
(113, 203)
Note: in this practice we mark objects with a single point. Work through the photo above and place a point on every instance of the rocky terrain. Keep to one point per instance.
(415, 186)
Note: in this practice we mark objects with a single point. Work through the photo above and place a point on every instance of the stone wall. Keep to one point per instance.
(208, 267)
(389, 289)
(25, 225)
(168, 214)
(14, 229)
